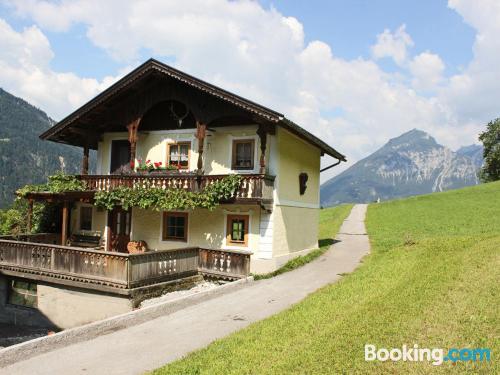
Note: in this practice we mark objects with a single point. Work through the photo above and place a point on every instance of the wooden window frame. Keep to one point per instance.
(233, 156)
(81, 214)
(229, 222)
(24, 293)
(164, 235)
(178, 144)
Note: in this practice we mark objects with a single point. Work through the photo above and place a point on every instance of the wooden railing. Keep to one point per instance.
(158, 266)
(63, 263)
(224, 263)
(112, 271)
(253, 186)
(45, 238)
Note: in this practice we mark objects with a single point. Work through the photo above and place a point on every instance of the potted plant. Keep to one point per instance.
(137, 247)
(156, 168)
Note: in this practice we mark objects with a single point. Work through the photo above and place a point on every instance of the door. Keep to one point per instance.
(120, 156)
(119, 222)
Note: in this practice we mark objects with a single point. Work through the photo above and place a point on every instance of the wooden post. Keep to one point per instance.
(85, 160)
(132, 138)
(201, 132)
(64, 229)
(30, 215)
(262, 133)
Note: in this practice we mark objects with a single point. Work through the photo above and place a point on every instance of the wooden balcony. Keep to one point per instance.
(115, 272)
(253, 188)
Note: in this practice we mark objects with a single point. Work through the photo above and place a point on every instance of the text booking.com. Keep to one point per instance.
(436, 356)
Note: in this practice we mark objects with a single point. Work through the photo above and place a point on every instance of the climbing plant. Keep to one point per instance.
(57, 183)
(170, 199)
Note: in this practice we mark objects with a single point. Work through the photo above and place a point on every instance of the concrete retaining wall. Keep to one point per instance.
(41, 345)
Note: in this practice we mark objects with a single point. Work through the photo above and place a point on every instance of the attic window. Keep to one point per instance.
(243, 154)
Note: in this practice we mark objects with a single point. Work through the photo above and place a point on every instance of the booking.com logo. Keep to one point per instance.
(416, 354)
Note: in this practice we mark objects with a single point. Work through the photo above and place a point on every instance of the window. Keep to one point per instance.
(178, 155)
(175, 226)
(243, 153)
(22, 293)
(237, 230)
(86, 218)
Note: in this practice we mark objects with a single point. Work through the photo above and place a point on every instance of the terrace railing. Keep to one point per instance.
(112, 271)
(224, 263)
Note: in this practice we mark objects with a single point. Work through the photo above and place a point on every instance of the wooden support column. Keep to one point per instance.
(132, 138)
(64, 229)
(262, 133)
(201, 132)
(30, 215)
(85, 160)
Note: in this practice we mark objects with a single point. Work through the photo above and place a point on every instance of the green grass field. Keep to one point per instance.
(432, 278)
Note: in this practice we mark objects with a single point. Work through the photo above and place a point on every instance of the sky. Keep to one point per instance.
(355, 73)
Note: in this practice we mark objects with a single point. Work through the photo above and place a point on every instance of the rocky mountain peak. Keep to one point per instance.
(413, 163)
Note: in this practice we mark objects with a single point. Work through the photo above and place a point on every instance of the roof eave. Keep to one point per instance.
(151, 65)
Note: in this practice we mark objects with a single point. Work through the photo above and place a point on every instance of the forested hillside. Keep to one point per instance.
(24, 158)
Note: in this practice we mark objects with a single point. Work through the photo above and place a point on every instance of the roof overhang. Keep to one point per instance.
(78, 122)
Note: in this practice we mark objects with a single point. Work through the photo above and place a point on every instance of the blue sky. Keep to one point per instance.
(432, 25)
(354, 72)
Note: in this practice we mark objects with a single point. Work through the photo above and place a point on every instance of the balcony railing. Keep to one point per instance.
(252, 187)
(112, 271)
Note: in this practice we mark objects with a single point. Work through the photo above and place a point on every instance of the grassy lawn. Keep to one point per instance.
(432, 278)
(329, 224)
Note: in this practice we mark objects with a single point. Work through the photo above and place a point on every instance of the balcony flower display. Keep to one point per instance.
(153, 167)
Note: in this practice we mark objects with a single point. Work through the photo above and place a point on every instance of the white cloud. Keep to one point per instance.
(261, 54)
(393, 45)
(427, 70)
(474, 94)
(25, 71)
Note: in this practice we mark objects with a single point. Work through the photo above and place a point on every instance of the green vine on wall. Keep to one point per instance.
(144, 196)
(57, 183)
(171, 199)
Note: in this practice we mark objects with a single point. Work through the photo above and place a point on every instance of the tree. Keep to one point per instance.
(491, 141)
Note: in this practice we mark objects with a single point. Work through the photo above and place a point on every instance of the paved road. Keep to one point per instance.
(149, 345)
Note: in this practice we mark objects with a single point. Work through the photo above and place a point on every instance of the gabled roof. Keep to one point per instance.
(153, 65)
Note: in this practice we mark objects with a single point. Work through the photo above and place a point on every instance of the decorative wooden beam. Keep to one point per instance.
(262, 133)
(201, 132)
(133, 137)
(64, 229)
(85, 160)
(30, 215)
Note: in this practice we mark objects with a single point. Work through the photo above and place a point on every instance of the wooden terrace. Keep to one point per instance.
(29, 257)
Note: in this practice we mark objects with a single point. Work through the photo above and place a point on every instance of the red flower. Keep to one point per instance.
(132, 164)
(159, 163)
(148, 161)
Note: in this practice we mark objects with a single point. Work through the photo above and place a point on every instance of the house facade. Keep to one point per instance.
(160, 128)
(273, 227)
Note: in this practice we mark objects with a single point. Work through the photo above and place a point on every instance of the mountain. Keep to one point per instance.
(413, 163)
(24, 158)
(475, 152)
